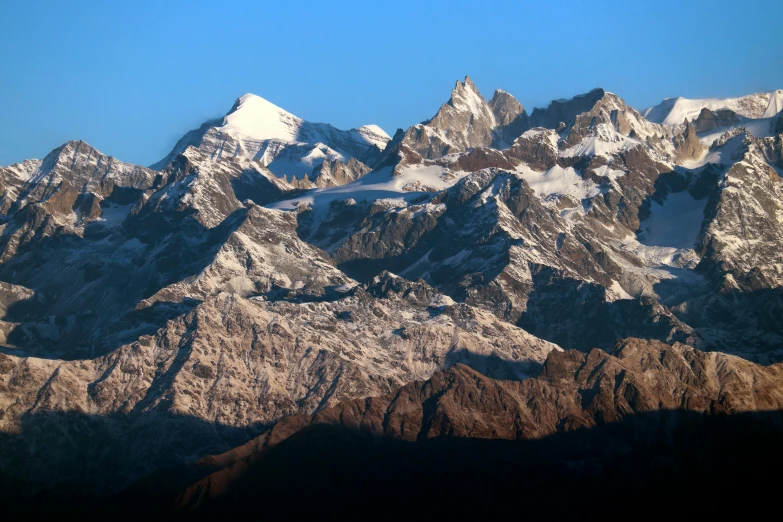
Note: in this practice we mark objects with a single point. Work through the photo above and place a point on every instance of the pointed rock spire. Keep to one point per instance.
(505, 107)
(565, 110)
(687, 144)
(465, 121)
(510, 117)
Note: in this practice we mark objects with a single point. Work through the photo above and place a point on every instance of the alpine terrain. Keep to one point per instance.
(580, 298)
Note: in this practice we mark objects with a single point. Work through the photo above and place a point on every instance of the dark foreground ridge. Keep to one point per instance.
(670, 463)
(648, 427)
(251, 345)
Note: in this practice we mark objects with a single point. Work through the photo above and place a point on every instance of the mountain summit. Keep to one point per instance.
(674, 111)
(486, 274)
(257, 129)
(465, 121)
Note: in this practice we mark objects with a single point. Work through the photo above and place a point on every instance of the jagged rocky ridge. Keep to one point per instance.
(255, 129)
(217, 294)
(575, 392)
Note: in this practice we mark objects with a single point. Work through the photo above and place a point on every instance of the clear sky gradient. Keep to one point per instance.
(131, 77)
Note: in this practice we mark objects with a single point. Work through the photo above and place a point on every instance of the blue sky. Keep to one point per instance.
(131, 77)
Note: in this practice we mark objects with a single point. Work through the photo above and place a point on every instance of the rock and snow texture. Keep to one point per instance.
(256, 129)
(674, 111)
(235, 363)
(253, 275)
(467, 121)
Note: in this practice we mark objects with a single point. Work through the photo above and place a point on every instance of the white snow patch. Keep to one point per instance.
(607, 172)
(373, 134)
(380, 186)
(345, 287)
(674, 111)
(441, 301)
(113, 215)
(775, 104)
(726, 154)
(674, 224)
(616, 293)
(260, 119)
(604, 142)
(559, 180)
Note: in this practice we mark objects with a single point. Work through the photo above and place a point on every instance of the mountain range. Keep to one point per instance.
(486, 274)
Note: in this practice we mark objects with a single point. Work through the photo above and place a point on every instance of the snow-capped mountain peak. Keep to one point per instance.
(674, 111)
(464, 122)
(256, 128)
(249, 279)
(259, 119)
(465, 97)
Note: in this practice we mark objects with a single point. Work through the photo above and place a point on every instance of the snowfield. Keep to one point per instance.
(674, 111)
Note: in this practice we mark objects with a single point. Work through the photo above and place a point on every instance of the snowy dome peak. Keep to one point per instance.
(374, 129)
(255, 103)
(674, 111)
(249, 95)
(257, 118)
(257, 128)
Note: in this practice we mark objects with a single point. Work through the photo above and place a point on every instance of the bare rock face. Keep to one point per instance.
(575, 391)
(153, 317)
(505, 107)
(709, 120)
(86, 169)
(63, 193)
(465, 121)
(565, 110)
(748, 205)
(510, 117)
(333, 173)
(261, 255)
(687, 145)
(194, 185)
(237, 364)
(536, 148)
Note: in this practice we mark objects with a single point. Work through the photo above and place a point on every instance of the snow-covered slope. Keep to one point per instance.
(674, 111)
(383, 187)
(255, 128)
(257, 119)
(213, 294)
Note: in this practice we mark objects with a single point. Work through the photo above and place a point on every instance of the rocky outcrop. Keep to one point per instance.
(466, 121)
(63, 194)
(748, 207)
(510, 117)
(152, 317)
(565, 111)
(231, 365)
(333, 173)
(687, 144)
(575, 391)
(709, 120)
